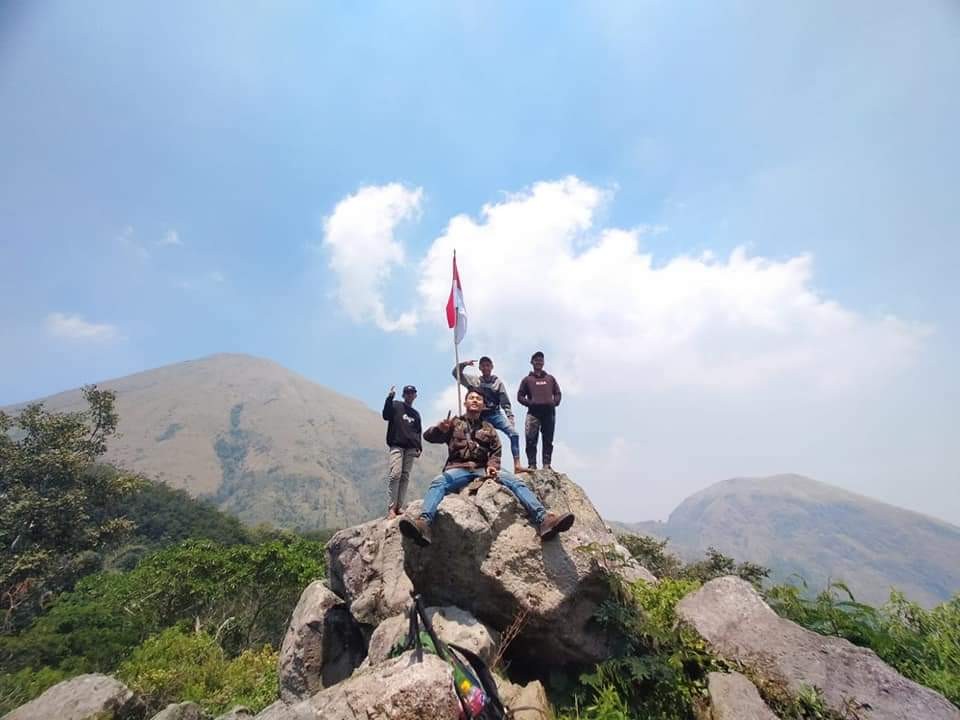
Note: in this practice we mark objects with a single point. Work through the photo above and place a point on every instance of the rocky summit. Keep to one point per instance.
(492, 587)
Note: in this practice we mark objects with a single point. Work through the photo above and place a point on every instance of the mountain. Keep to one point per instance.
(263, 443)
(793, 524)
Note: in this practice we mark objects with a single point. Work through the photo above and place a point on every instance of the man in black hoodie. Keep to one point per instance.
(403, 438)
(540, 393)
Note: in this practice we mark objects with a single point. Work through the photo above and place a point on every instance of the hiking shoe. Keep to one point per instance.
(417, 530)
(554, 524)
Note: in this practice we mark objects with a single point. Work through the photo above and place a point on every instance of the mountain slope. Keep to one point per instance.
(793, 524)
(262, 442)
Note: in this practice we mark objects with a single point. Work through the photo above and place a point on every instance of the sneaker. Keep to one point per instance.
(554, 524)
(417, 530)
(546, 466)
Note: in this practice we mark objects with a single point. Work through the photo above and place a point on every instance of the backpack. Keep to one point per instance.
(473, 682)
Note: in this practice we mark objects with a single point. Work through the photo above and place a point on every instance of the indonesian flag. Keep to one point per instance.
(456, 310)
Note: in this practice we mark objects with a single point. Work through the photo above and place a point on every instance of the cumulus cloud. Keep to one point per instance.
(74, 327)
(170, 239)
(359, 236)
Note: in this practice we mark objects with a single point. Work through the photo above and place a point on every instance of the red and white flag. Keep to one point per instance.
(456, 310)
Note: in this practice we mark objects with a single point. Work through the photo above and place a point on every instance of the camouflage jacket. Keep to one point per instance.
(472, 444)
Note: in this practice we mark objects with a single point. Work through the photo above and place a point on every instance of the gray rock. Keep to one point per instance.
(322, 645)
(237, 713)
(85, 697)
(282, 711)
(181, 711)
(527, 702)
(734, 697)
(487, 559)
(451, 624)
(739, 626)
(398, 689)
(365, 568)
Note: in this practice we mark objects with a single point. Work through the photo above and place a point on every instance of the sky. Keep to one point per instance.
(731, 227)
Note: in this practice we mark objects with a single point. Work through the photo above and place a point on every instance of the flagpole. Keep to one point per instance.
(456, 354)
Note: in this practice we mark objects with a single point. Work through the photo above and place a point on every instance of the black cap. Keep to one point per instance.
(409, 388)
(537, 354)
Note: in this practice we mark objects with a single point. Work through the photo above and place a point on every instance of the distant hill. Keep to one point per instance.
(793, 524)
(263, 443)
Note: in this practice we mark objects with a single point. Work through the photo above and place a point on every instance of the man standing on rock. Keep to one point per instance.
(474, 452)
(403, 439)
(540, 393)
(495, 397)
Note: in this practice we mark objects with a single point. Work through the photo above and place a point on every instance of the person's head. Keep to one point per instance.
(537, 361)
(473, 402)
(486, 366)
(409, 394)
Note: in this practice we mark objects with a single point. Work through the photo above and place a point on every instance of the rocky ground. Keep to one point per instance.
(491, 586)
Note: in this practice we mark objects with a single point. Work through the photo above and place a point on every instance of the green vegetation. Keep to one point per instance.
(660, 667)
(175, 597)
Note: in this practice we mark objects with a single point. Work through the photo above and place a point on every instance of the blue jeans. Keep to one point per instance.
(455, 479)
(500, 422)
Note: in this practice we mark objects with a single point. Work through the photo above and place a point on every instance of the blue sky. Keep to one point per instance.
(167, 172)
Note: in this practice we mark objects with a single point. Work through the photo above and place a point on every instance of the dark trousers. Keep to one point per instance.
(540, 421)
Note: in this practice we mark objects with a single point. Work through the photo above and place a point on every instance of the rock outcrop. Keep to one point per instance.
(527, 702)
(451, 624)
(85, 697)
(322, 646)
(740, 627)
(487, 559)
(734, 697)
(181, 711)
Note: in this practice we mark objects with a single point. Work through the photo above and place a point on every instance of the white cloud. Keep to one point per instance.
(74, 327)
(359, 235)
(129, 242)
(170, 239)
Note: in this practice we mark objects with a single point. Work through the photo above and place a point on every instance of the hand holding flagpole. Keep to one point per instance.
(457, 321)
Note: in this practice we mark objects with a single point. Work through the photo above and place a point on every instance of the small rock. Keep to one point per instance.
(451, 624)
(85, 697)
(322, 645)
(398, 689)
(181, 711)
(734, 697)
(527, 702)
(740, 627)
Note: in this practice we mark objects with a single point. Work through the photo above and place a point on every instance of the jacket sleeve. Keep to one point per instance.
(468, 381)
(388, 408)
(505, 401)
(556, 393)
(434, 434)
(523, 394)
(496, 449)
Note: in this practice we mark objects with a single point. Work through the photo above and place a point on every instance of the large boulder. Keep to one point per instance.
(322, 646)
(365, 568)
(451, 624)
(734, 697)
(399, 689)
(486, 558)
(740, 627)
(85, 697)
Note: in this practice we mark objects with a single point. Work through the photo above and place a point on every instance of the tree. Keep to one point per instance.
(58, 510)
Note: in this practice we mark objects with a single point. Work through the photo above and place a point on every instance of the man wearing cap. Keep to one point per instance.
(539, 392)
(403, 438)
(473, 452)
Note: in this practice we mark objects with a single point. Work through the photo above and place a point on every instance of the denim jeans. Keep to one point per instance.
(455, 479)
(501, 423)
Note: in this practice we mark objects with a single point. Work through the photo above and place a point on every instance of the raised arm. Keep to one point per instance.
(388, 406)
(468, 381)
(439, 433)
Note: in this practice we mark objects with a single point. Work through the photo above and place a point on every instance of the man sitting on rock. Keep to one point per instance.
(474, 452)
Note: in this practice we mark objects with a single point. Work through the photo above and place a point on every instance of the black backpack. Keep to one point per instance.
(473, 682)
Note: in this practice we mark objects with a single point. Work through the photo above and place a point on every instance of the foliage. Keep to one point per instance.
(56, 509)
(653, 555)
(244, 593)
(22, 686)
(923, 645)
(176, 666)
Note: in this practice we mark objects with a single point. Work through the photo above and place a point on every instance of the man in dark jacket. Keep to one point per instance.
(495, 397)
(540, 393)
(403, 439)
(474, 452)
